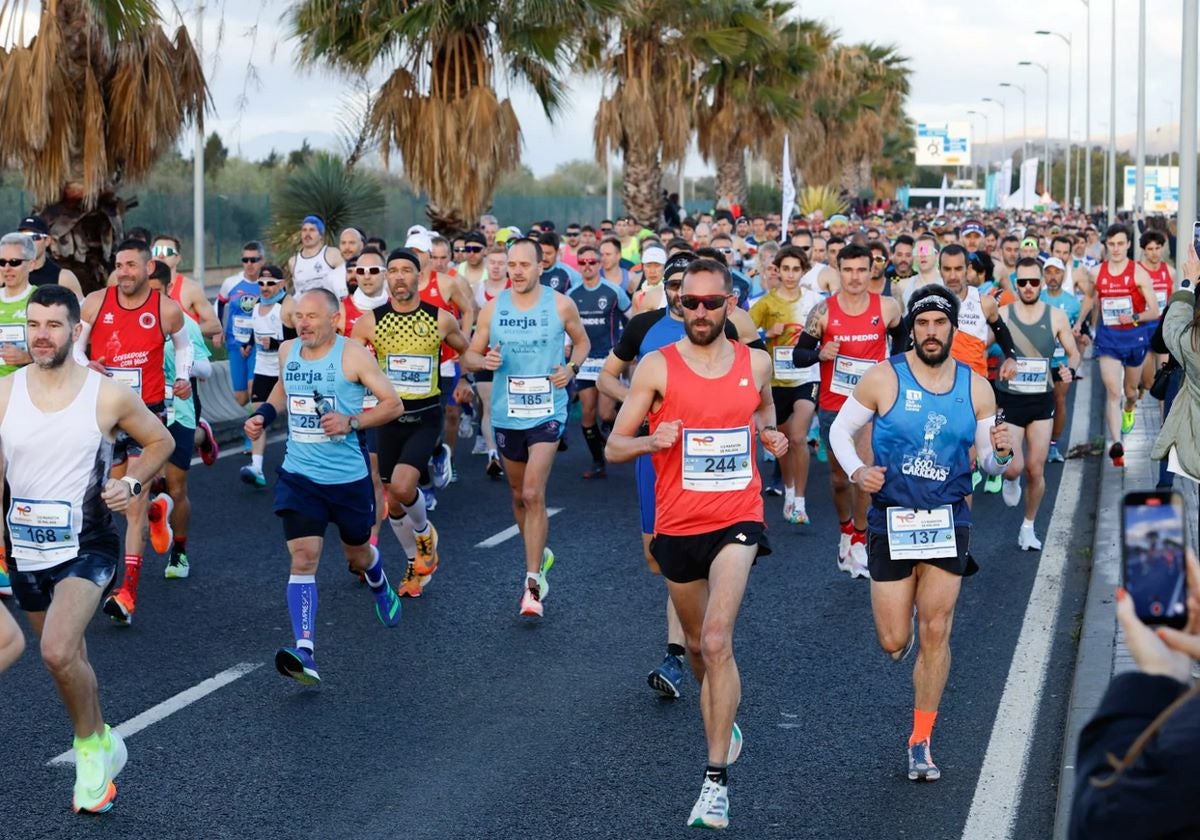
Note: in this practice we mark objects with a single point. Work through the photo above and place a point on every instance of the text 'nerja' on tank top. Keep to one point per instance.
(531, 347)
(709, 479)
(313, 387)
(129, 342)
(863, 344)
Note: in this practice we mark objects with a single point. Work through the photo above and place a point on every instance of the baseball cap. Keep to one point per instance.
(837, 218)
(34, 223)
(419, 241)
(655, 255)
(1054, 262)
(416, 229)
(972, 226)
(505, 234)
(1029, 242)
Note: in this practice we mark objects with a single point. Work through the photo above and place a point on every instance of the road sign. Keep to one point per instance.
(1161, 189)
(943, 144)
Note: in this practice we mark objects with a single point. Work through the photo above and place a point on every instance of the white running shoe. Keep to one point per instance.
(788, 509)
(712, 807)
(480, 447)
(844, 554)
(1028, 540)
(858, 561)
(1011, 492)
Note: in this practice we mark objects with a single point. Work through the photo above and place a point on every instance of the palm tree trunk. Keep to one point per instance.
(641, 189)
(446, 220)
(731, 174)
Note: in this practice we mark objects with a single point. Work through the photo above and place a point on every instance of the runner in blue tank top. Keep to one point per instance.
(928, 410)
(324, 477)
(521, 334)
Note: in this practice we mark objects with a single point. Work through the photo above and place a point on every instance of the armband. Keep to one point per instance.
(267, 412)
(806, 352)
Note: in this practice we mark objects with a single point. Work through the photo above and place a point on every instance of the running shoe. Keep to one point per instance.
(667, 678)
(453, 472)
(177, 566)
(159, 514)
(410, 584)
(822, 451)
(735, 744)
(920, 763)
(1011, 492)
(246, 449)
(712, 807)
(387, 606)
(1028, 540)
(1054, 456)
(209, 449)
(430, 498)
(1117, 453)
(597, 471)
(426, 561)
(480, 447)
(531, 602)
(858, 561)
(297, 663)
(844, 553)
(5, 580)
(253, 477)
(994, 484)
(95, 770)
(775, 485)
(119, 606)
(494, 469)
(900, 655)
(466, 425)
(794, 515)
(439, 466)
(547, 565)
(1127, 421)
(976, 477)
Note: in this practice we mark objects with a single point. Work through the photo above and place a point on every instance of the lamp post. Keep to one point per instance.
(1087, 115)
(1003, 125)
(987, 141)
(1187, 132)
(1046, 141)
(1111, 198)
(1070, 199)
(1024, 118)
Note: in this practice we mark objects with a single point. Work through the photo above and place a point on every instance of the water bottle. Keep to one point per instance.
(322, 407)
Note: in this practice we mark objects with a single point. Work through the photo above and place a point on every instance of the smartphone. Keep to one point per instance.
(1196, 236)
(1152, 548)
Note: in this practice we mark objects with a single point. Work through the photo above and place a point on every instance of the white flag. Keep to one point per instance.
(942, 195)
(789, 193)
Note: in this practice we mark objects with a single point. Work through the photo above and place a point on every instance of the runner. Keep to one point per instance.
(1027, 399)
(185, 291)
(497, 281)
(709, 529)
(820, 277)
(1153, 244)
(1124, 302)
(312, 266)
(1054, 273)
(529, 325)
(44, 270)
(124, 328)
(235, 305)
(407, 334)
(920, 480)
(472, 269)
(604, 310)
(651, 294)
(273, 323)
(848, 334)
(324, 478)
(610, 263)
(781, 314)
(57, 424)
(977, 316)
(17, 253)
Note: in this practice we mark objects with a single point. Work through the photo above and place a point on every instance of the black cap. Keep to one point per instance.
(35, 224)
(272, 271)
(678, 263)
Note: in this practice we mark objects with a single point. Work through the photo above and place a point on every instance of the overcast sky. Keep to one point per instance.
(959, 53)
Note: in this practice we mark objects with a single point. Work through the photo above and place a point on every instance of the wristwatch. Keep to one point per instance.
(135, 486)
(354, 423)
(768, 429)
(574, 367)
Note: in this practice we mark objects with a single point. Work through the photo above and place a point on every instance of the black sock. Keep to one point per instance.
(676, 650)
(718, 773)
(595, 443)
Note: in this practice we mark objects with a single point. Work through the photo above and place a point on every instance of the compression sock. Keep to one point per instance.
(416, 513)
(922, 726)
(302, 606)
(789, 496)
(847, 527)
(374, 573)
(404, 533)
(595, 443)
(133, 568)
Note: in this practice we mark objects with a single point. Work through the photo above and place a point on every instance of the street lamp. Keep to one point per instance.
(1045, 163)
(1067, 40)
(1024, 119)
(987, 134)
(1003, 125)
(1087, 115)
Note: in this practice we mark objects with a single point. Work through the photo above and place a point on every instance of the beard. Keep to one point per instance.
(937, 357)
(702, 339)
(55, 361)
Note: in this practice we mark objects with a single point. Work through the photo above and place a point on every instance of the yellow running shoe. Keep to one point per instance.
(410, 586)
(426, 562)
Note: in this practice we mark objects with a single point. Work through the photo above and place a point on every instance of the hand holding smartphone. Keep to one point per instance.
(1153, 561)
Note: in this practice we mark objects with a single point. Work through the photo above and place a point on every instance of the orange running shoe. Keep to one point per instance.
(159, 514)
(119, 606)
(426, 562)
(410, 586)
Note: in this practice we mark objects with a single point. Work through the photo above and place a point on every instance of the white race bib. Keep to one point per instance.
(13, 334)
(304, 422)
(263, 340)
(41, 530)
(1161, 297)
(128, 376)
(530, 397)
(716, 460)
(846, 372)
(243, 329)
(169, 402)
(1032, 376)
(785, 371)
(369, 401)
(410, 374)
(589, 371)
(1112, 308)
(921, 534)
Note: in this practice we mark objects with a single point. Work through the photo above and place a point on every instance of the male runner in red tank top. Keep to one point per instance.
(187, 293)
(851, 329)
(1154, 244)
(124, 328)
(709, 525)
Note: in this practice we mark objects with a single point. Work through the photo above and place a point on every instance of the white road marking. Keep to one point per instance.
(509, 532)
(1001, 779)
(171, 705)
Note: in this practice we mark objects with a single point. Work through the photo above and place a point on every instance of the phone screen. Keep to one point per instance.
(1153, 568)
(1196, 236)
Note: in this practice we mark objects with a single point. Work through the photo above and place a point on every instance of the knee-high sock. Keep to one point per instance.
(402, 528)
(302, 606)
(416, 513)
(595, 443)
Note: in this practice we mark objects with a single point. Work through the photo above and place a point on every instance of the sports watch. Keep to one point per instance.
(135, 486)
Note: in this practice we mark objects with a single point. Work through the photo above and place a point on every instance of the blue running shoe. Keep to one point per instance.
(253, 477)
(430, 498)
(440, 470)
(297, 663)
(667, 678)
(920, 764)
(1054, 456)
(387, 607)
(822, 452)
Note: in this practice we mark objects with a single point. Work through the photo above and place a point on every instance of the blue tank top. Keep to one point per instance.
(239, 326)
(314, 386)
(531, 344)
(924, 441)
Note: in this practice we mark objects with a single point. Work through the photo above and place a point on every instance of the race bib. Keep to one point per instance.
(243, 329)
(169, 402)
(304, 421)
(410, 374)
(449, 369)
(921, 534)
(530, 397)
(13, 334)
(127, 376)
(846, 373)
(369, 401)
(41, 530)
(589, 371)
(717, 460)
(1161, 297)
(1032, 376)
(1112, 308)
(263, 340)
(785, 371)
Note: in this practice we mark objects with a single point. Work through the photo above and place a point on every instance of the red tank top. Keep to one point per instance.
(1124, 285)
(176, 294)
(1161, 277)
(131, 340)
(863, 344)
(432, 294)
(709, 479)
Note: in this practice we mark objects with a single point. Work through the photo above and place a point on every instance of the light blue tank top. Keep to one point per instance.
(312, 387)
(531, 344)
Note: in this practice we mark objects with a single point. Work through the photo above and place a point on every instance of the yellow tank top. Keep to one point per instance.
(407, 345)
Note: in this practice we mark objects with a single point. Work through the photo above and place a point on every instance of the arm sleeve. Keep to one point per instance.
(201, 368)
(853, 416)
(184, 353)
(1003, 337)
(288, 333)
(80, 351)
(985, 456)
(899, 335)
(806, 353)
(631, 338)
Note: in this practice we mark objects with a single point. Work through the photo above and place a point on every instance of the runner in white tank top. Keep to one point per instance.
(268, 325)
(313, 265)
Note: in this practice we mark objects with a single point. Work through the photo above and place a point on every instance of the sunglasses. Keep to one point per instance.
(459, 250)
(710, 302)
(674, 284)
(804, 248)
(363, 270)
(12, 263)
(589, 262)
(36, 237)
(251, 260)
(269, 282)
(164, 251)
(725, 250)
(1029, 281)
(473, 249)
(879, 260)
(573, 233)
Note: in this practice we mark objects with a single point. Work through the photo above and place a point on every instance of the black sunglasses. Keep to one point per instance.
(710, 302)
(12, 263)
(1029, 281)
(251, 260)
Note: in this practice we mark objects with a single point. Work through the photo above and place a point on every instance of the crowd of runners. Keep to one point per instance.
(927, 359)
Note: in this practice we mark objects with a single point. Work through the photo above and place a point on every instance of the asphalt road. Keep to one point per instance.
(468, 721)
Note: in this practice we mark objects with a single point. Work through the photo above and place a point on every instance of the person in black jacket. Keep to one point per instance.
(1138, 765)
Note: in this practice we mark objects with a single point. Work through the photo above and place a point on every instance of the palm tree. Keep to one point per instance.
(86, 107)
(650, 56)
(341, 195)
(439, 107)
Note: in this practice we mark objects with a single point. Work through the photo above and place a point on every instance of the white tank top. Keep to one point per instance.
(313, 272)
(810, 279)
(266, 327)
(971, 320)
(56, 465)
